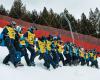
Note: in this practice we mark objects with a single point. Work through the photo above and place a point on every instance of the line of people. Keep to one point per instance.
(51, 49)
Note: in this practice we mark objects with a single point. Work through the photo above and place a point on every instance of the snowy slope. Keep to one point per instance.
(40, 73)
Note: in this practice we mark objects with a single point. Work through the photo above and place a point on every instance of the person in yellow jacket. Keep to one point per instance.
(81, 54)
(48, 55)
(48, 45)
(9, 38)
(60, 49)
(94, 61)
(30, 37)
(44, 46)
(54, 51)
(87, 57)
(91, 55)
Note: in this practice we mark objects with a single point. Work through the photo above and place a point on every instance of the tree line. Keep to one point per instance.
(86, 25)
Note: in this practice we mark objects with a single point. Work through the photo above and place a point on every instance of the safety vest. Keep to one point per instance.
(56, 43)
(91, 54)
(94, 57)
(22, 40)
(60, 48)
(81, 53)
(48, 45)
(30, 38)
(87, 56)
(42, 46)
(11, 32)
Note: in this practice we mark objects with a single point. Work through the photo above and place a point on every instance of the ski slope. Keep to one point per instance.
(40, 73)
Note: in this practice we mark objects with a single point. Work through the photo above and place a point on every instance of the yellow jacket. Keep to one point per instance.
(48, 45)
(11, 32)
(42, 46)
(30, 38)
(94, 57)
(56, 43)
(87, 55)
(81, 53)
(91, 54)
(60, 48)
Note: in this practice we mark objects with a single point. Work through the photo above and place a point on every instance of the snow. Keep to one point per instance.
(40, 73)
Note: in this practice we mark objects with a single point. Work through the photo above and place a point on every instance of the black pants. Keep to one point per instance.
(75, 59)
(61, 58)
(23, 50)
(32, 51)
(48, 60)
(87, 62)
(66, 58)
(69, 59)
(82, 60)
(94, 63)
(11, 55)
(55, 57)
(65, 53)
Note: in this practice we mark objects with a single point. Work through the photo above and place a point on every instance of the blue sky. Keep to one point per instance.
(75, 7)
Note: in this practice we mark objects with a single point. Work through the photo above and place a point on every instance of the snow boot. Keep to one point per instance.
(18, 64)
(47, 65)
(7, 64)
(32, 63)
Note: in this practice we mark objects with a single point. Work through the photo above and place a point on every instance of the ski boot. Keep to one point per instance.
(18, 64)
(32, 63)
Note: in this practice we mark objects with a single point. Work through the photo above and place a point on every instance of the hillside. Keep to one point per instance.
(86, 41)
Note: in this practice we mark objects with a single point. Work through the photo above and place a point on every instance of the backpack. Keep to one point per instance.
(2, 43)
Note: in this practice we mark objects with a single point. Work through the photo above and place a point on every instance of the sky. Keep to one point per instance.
(75, 7)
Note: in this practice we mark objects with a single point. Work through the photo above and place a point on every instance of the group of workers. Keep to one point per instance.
(51, 49)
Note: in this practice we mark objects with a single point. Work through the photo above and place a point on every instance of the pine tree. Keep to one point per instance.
(44, 16)
(16, 10)
(94, 18)
(34, 16)
(63, 21)
(71, 19)
(53, 19)
(97, 28)
(84, 26)
(3, 10)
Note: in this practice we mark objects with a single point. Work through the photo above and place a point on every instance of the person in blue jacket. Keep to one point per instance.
(75, 55)
(70, 54)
